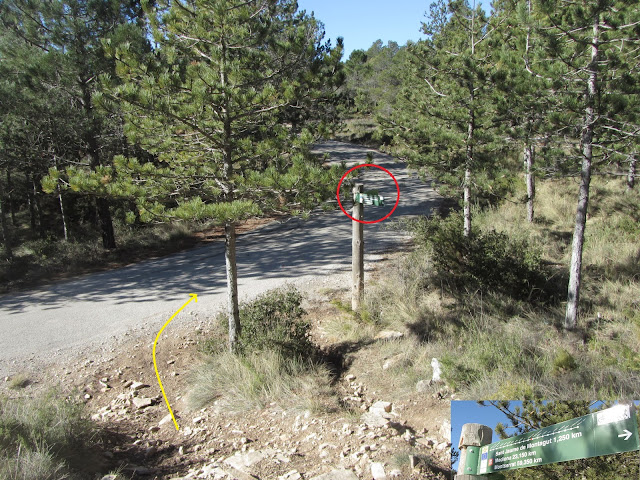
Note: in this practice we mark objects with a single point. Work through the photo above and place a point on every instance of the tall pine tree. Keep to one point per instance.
(596, 42)
(216, 103)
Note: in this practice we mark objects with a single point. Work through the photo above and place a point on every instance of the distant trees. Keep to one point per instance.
(53, 53)
(374, 77)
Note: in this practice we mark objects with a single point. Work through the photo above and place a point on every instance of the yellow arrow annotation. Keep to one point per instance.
(155, 365)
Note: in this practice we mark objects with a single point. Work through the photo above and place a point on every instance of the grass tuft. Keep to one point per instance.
(240, 383)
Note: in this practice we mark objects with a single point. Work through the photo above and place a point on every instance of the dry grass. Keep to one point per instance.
(39, 436)
(243, 383)
(494, 346)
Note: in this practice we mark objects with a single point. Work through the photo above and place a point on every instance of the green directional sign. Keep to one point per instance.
(369, 199)
(608, 431)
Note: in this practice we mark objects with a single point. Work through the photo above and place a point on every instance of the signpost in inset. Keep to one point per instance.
(609, 431)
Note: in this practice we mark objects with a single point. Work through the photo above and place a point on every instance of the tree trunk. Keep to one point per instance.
(91, 137)
(36, 201)
(529, 179)
(6, 240)
(467, 202)
(106, 224)
(575, 270)
(467, 175)
(64, 220)
(357, 253)
(232, 285)
(31, 200)
(631, 177)
(12, 206)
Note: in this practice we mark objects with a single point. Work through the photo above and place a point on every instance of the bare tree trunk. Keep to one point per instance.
(467, 174)
(32, 202)
(12, 206)
(575, 269)
(6, 240)
(38, 207)
(64, 220)
(232, 285)
(357, 253)
(529, 153)
(467, 202)
(631, 177)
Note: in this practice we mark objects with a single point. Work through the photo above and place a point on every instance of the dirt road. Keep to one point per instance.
(49, 323)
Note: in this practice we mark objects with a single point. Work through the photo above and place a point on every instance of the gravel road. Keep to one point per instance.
(50, 323)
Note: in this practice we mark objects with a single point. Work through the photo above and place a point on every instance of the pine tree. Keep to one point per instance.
(524, 88)
(209, 104)
(596, 43)
(445, 120)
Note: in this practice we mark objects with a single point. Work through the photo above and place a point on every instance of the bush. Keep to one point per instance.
(484, 261)
(274, 322)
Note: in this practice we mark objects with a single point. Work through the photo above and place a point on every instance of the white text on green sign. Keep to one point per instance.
(367, 199)
(608, 431)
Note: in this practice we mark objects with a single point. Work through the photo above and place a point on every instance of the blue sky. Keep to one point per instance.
(362, 22)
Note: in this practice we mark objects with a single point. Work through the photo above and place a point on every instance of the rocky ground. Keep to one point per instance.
(370, 437)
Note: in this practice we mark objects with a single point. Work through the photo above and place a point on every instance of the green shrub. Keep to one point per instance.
(483, 261)
(564, 362)
(274, 322)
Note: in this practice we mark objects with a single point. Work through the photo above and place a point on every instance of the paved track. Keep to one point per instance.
(46, 323)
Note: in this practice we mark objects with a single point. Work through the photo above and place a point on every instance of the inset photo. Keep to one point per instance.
(539, 440)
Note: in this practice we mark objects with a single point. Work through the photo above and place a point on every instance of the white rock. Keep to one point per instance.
(244, 461)
(142, 402)
(381, 408)
(292, 475)
(166, 419)
(437, 370)
(138, 386)
(373, 419)
(377, 471)
(445, 430)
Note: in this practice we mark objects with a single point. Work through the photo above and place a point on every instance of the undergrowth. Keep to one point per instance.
(491, 306)
(275, 362)
(40, 437)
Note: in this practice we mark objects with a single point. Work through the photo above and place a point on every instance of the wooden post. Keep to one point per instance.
(472, 437)
(357, 252)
